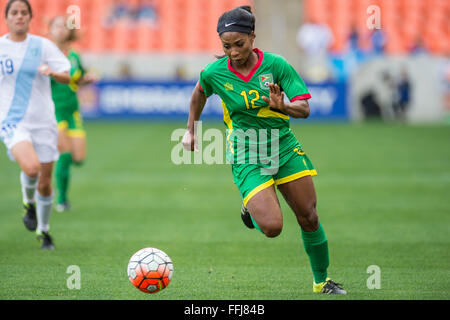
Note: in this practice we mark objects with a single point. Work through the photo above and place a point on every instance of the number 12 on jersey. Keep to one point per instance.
(251, 93)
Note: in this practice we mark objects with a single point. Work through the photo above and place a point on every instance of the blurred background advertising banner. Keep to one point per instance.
(170, 99)
(328, 100)
(141, 99)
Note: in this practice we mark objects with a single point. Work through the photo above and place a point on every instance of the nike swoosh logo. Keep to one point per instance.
(229, 24)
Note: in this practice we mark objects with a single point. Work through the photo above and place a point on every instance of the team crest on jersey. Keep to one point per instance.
(228, 86)
(265, 79)
(34, 52)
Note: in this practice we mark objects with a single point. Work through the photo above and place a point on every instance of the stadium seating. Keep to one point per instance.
(406, 23)
(190, 25)
(117, 25)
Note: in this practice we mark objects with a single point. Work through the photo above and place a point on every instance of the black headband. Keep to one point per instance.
(236, 20)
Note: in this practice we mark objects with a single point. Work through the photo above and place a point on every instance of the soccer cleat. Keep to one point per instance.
(46, 240)
(61, 207)
(245, 215)
(29, 216)
(328, 287)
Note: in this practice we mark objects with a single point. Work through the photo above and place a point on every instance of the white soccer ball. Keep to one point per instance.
(150, 270)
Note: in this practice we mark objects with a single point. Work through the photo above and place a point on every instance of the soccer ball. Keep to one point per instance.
(150, 270)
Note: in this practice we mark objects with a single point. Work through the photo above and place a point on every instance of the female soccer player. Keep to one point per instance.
(252, 85)
(71, 134)
(27, 118)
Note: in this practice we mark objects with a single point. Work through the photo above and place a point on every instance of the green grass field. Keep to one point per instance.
(383, 199)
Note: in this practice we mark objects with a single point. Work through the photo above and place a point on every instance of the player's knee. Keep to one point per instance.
(78, 157)
(308, 218)
(45, 190)
(31, 169)
(62, 148)
(313, 220)
(45, 186)
(272, 229)
(272, 233)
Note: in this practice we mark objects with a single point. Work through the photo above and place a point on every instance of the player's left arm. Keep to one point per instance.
(295, 109)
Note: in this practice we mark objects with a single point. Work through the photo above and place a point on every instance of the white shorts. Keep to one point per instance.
(44, 140)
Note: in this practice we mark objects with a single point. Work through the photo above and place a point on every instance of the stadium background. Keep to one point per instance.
(149, 52)
(383, 179)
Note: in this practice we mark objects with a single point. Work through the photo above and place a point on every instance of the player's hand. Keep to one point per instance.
(276, 97)
(90, 77)
(189, 141)
(45, 70)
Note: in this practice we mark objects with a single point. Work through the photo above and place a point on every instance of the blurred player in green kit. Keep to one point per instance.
(71, 134)
(252, 86)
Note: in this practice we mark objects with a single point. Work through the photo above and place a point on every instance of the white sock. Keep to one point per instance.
(28, 187)
(43, 211)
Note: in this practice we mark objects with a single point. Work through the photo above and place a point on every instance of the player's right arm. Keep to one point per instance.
(61, 77)
(55, 63)
(198, 101)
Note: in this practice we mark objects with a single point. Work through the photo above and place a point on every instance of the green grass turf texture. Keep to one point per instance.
(383, 199)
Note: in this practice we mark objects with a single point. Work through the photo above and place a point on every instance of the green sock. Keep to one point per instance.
(63, 175)
(316, 247)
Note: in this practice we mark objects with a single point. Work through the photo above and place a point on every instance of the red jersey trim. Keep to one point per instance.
(252, 72)
(200, 86)
(301, 97)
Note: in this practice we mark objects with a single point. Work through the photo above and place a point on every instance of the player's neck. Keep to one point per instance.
(248, 65)
(17, 37)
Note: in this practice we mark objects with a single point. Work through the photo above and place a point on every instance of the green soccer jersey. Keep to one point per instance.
(64, 95)
(251, 123)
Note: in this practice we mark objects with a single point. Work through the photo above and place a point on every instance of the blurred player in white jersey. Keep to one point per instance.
(27, 117)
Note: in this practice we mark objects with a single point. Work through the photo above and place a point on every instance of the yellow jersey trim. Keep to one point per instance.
(76, 133)
(229, 124)
(73, 84)
(296, 176)
(258, 189)
(63, 125)
(226, 116)
(265, 112)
